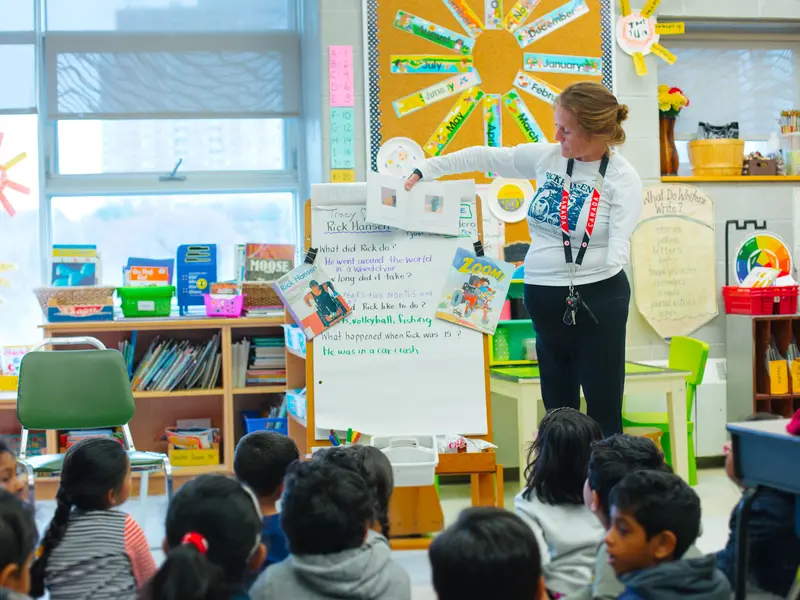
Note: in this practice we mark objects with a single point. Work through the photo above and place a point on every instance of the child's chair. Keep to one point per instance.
(685, 354)
(78, 389)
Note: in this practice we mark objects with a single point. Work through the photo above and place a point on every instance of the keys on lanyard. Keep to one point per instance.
(574, 303)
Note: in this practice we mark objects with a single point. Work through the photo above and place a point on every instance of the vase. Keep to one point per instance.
(669, 153)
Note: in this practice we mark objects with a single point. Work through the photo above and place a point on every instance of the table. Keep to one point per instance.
(757, 445)
(523, 384)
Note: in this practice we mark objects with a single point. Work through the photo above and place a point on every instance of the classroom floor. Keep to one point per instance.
(717, 493)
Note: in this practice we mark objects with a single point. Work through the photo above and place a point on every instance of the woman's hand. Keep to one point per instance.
(413, 179)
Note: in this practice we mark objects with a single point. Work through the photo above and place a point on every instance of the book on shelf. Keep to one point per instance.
(260, 361)
(267, 262)
(74, 265)
(170, 365)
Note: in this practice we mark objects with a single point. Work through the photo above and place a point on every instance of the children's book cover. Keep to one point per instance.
(474, 292)
(312, 298)
(267, 262)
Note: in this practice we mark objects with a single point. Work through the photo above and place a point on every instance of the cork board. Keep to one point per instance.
(456, 73)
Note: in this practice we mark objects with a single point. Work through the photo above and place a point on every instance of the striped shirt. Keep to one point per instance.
(104, 554)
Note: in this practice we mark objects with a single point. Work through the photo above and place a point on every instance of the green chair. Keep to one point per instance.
(78, 389)
(685, 354)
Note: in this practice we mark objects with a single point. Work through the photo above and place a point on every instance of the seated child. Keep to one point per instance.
(91, 550)
(655, 517)
(260, 462)
(552, 501)
(213, 540)
(17, 537)
(327, 512)
(487, 553)
(611, 460)
(8, 472)
(773, 548)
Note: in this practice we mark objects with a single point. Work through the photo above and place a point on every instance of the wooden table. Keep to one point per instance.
(763, 453)
(523, 384)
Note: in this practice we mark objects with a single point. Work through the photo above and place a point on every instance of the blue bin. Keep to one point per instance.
(253, 421)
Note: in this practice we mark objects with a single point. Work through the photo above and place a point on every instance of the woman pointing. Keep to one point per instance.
(586, 206)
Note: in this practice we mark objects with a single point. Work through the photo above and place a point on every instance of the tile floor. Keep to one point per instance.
(717, 493)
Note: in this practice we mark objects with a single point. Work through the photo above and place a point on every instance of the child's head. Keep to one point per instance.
(8, 471)
(374, 466)
(558, 457)
(261, 460)
(17, 538)
(611, 460)
(213, 539)
(96, 475)
(327, 507)
(655, 517)
(487, 553)
(730, 469)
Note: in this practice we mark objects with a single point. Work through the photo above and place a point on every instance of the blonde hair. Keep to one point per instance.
(596, 109)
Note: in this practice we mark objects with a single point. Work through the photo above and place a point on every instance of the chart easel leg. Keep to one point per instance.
(483, 489)
(529, 414)
(415, 511)
(499, 480)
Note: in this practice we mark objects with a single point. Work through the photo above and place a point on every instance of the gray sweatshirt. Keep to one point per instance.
(365, 573)
(679, 580)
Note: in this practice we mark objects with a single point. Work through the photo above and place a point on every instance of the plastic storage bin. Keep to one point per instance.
(253, 421)
(760, 301)
(413, 457)
(715, 158)
(224, 306)
(153, 301)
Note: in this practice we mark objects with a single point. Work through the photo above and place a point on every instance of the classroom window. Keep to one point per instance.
(154, 226)
(18, 84)
(17, 15)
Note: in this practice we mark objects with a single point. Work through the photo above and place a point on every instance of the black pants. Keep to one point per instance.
(588, 355)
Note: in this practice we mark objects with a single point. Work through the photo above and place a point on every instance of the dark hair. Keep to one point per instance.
(487, 553)
(91, 469)
(4, 446)
(326, 507)
(660, 502)
(376, 469)
(559, 456)
(17, 531)
(226, 514)
(261, 460)
(615, 457)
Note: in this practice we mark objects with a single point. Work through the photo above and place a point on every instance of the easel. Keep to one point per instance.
(416, 512)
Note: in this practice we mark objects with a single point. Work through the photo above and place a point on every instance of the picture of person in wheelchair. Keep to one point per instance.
(329, 308)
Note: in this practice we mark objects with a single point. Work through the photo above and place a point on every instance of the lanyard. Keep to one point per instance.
(594, 203)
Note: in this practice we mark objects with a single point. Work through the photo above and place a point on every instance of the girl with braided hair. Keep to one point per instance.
(91, 550)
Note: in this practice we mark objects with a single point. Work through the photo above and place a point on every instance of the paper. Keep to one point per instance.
(778, 377)
(453, 121)
(493, 14)
(636, 34)
(398, 156)
(536, 87)
(523, 117)
(670, 28)
(429, 63)
(426, 30)
(475, 291)
(465, 16)
(311, 296)
(444, 89)
(624, 7)
(518, 14)
(794, 371)
(509, 199)
(342, 134)
(639, 64)
(492, 122)
(343, 175)
(559, 63)
(552, 21)
(431, 207)
(650, 8)
(6, 183)
(664, 54)
(340, 64)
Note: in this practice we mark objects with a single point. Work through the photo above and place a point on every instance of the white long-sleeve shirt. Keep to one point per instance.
(617, 214)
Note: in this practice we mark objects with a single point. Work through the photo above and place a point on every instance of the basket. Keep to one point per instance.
(778, 300)
(413, 457)
(260, 295)
(224, 306)
(253, 421)
(151, 301)
(73, 296)
(716, 157)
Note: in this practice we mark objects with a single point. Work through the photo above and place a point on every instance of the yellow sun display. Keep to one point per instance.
(638, 34)
(5, 182)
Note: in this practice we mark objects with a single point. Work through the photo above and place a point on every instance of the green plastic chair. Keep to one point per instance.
(685, 354)
(78, 389)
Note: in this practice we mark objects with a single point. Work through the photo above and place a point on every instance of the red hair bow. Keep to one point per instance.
(196, 540)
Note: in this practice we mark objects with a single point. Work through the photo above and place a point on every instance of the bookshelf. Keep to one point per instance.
(156, 410)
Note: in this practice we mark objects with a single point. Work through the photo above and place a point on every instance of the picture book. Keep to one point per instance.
(138, 276)
(74, 265)
(267, 262)
(10, 357)
(311, 297)
(474, 292)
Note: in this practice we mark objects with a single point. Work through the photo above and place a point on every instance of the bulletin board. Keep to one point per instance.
(520, 53)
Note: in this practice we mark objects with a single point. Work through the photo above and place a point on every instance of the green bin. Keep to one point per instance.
(152, 301)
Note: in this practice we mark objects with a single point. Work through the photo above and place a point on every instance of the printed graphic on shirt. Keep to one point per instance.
(543, 213)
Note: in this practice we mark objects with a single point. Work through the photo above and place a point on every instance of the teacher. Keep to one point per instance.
(587, 204)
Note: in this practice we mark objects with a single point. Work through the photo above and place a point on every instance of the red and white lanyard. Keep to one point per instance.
(593, 204)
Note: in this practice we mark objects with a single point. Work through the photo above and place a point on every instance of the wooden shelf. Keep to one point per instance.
(294, 353)
(166, 324)
(731, 179)
(260, 389)
(179, 393)
(8, 400)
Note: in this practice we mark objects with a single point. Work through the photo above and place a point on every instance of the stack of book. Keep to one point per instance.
(73, 436)
(260, 361)
(179, 365)
(74, 265)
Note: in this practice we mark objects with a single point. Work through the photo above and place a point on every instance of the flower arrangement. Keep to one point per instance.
(671, 101)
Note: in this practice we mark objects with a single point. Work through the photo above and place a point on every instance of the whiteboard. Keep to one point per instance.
(392, 368)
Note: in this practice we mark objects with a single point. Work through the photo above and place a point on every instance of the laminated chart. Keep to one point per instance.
(452, 123)
(492, 122)
(551, 22)
(536, 87)
(493, 14)
(518, 14)
(559, 63)
(435, 93)
(432, 63)
(523, 117)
